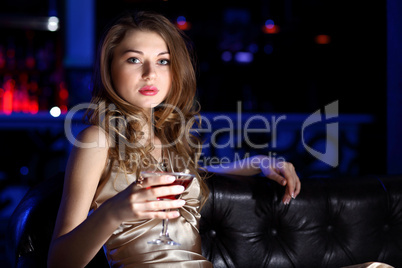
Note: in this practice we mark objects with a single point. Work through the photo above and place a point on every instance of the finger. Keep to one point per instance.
(162, 214)
(281, 180)
(277, 177)
(274, 175)
(298, 186)
(157, 180)
(288, 193)
(158, 209)
(287, 171)
(161, 191)
(293, 182)
(163, 180)
(157, 205)
(171, 214)
(286, 198)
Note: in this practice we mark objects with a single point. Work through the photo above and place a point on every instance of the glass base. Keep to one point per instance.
(164, 240)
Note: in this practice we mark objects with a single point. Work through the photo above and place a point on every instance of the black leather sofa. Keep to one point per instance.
(334, 222)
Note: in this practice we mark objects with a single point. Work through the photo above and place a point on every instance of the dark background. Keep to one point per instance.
(299, 75)
(289, 74)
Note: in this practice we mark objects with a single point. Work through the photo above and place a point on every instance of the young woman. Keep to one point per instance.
(143, 102)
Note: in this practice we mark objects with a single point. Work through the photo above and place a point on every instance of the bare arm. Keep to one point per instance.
(78, 237)
(279, 171)
(75, 244)
(245, 167)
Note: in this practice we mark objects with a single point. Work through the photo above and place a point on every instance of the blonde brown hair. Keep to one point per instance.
(171, 121)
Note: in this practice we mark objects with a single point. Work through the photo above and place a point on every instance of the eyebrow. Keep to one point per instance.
(142, 53)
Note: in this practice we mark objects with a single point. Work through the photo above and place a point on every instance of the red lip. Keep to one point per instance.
(149, 91)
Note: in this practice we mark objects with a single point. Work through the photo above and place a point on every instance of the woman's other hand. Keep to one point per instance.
(283, 173)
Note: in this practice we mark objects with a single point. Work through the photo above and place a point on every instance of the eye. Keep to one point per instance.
(133, 60)
(164, 62)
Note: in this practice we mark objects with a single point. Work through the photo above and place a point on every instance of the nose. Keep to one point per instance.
(149, 72)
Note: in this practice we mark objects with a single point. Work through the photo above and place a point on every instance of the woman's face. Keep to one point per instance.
(140, 69)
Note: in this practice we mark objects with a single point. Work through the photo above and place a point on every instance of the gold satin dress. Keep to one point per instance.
(127, 247)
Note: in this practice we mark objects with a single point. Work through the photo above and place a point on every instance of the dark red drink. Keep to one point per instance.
(185, 181)
(181, 179)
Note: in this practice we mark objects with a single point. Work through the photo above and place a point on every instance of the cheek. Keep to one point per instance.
(118, 79)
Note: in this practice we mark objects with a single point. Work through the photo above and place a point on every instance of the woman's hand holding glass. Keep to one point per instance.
(181, 179)
(140, 202)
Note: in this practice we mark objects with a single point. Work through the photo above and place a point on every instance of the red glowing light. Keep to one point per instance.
(26, 105)
(33, 106)
(270, 29)
(63, 109)
(9, 85)
(63, 94)
(184, 25)
(16, 104)
(8, 96)
(8, 102)
(323, 39)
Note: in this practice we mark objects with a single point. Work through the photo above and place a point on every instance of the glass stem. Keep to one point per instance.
(165, 228)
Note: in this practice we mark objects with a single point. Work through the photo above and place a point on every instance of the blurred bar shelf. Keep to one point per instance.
(45, 120)
(41, 120)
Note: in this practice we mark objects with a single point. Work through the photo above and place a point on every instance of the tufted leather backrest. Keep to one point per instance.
(332, 223)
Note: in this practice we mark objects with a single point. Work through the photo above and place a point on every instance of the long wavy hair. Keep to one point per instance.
(171, 121)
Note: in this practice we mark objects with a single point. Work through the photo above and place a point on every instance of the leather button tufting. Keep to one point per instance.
(386, 227)
(330, 228)
(212, 233)
(274, 232)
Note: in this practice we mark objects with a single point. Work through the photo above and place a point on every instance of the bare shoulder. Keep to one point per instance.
(92, 137)
(89, 154)
(84, 169)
